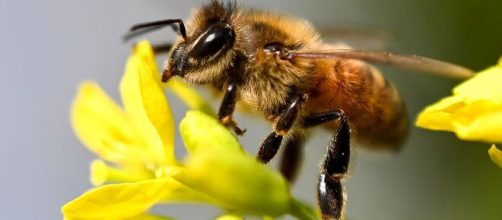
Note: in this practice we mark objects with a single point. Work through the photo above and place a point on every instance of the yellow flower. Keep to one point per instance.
(136, 147)
(496, 155)
(473, 112)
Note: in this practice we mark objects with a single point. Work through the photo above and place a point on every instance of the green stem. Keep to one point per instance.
(302, 211)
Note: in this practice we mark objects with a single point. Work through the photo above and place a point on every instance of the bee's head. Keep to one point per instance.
(200, 58)
(201, 55)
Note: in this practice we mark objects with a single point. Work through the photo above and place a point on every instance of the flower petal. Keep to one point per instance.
(439, 115)
(479, 121)
(189, 96)
(105, 129)
(146, 104)
(101, 173)
(116, 201)
(150, 217)
(229, 217)
(126, 200)
(474, 112)
(483, 86)
(495, 155)
(201, 132)
(239, 182)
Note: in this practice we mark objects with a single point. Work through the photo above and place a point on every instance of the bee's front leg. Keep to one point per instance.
(227, 108)
(271, 144)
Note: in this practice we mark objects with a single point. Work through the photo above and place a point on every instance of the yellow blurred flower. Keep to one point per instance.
(495, 155)
(473, 112)
(136, 147)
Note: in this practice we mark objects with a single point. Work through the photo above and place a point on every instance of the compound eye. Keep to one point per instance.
(218, 38)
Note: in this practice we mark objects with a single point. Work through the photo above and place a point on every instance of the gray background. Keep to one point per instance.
(48, 47)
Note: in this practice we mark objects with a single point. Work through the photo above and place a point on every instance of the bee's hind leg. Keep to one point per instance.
(292, 156)
(331, 196)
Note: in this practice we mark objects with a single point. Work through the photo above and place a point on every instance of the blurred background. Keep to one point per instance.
(50, 46)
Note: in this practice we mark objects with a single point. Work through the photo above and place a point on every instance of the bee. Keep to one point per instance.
(280, 67)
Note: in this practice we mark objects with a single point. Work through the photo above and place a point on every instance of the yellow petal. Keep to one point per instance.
(239, 182)
(116, 201)
(122, 201)
(479, 121)
(189, 96)
(483, 86)
(150, 217)
(229, 217)
(146, 104)
(101, 173)
(201, 132)
(439, 115)
(474, 112)
(105, 129)
(495, 155)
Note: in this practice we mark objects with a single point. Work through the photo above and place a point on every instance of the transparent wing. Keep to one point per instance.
(410, 62)
(358, 38)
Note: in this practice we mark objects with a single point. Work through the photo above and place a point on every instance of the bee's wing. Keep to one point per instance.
(358, 38)
(411, 62)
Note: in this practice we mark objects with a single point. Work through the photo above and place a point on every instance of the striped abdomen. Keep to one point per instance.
(376, 113)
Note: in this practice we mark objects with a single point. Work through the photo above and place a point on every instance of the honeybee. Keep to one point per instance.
(280, 67)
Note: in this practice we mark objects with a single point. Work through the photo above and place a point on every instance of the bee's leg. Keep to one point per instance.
(162, 48)
(227, 108)
(292, 157)
(271, 144)
(334, 167)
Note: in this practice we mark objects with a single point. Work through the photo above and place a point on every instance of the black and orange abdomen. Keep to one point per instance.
(376, 113)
